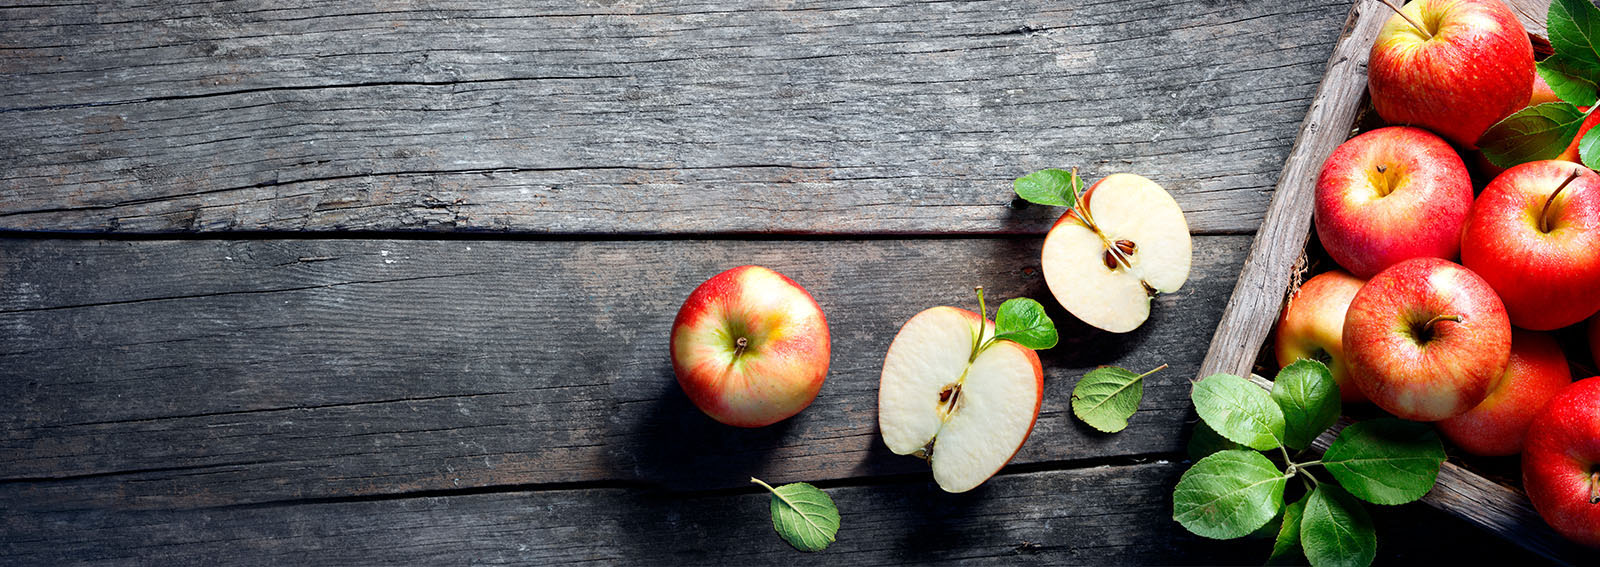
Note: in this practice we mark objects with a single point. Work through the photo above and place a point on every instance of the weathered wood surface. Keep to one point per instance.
(639, 117)
(1102, 515)
(258, 371)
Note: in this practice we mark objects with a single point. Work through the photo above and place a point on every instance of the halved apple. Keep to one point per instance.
(967, 415)
(1105, 266)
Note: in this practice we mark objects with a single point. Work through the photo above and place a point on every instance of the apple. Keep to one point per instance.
(1542, 93)
(1561, 463)
(1452, 66)
(1312, 326)
(1537, 372)
(1391, 194)
(1571, 153)
(1534, 235)
(966, 413)
(1125, 241)
(750, 347)
(1425, 339)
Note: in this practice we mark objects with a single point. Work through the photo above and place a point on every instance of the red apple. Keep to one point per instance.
(1534, 235)
(1425, 338)
(1542, 93)
(1537, 372)
(750, 347)
(1452, 66)
(1312, 327)
(1391, 194)
(1561, 464)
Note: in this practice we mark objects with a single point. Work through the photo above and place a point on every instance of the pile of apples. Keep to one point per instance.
(1424, 337)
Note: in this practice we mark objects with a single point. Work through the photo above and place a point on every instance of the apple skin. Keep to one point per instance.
(1559, 464)
(1414, 207)
(1476, 69)
(1537, 372)
(785, 360)
(1547, 280)
(1416, 373)
(1312, 327)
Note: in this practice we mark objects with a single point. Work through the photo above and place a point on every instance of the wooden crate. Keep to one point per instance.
(1280, 248)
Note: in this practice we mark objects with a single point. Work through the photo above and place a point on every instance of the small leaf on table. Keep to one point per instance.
(1534, 133)
(1107, 396)
(803, 515)
(1228, 494)
(1049, 187)
(1286, 549)
(1240, 411)
(1309, 398)
(1335, 531)
(1023, 321)
(1386, 461)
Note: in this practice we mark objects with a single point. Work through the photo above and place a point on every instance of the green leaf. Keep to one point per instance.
(1206, 441)
(1568, 83)
(1589, 147)
(1534, 133)
(1574, 30)
(1228, 494)
(1335, 531)
(1309, 398)
(1024, 322)
(1240, 411)
(1286, 549)
(1049, 187)
(1107, 396)
(803, 515)
(1385, 461)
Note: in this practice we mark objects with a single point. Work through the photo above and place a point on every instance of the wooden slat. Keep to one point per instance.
(558, 117)
(1103, 515)
(199, 373)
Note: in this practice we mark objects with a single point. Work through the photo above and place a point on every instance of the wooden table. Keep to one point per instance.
(391, 282)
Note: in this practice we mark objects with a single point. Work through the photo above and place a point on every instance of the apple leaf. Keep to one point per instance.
(1534, 133)
(1589, 148)
(1056, 187)
(1228, 494)
(1023, 321)
(1574, 30)
(803, 515)
(1107, 396)
(1335, 530)
(1385, 461)
(1205, 441)
(1240, 411)
(1567, 83)
(1309, 398)
(1286, 548)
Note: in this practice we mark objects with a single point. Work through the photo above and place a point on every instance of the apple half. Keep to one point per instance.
(967, 415)
(1125, 241)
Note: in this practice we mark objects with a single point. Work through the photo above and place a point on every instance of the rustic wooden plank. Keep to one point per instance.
(204, 372)
(842, 116)
(1102, 515)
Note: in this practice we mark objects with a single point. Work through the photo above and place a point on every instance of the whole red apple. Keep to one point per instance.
(1537, 372)
(1452, 66)
(1561, 464)
(1425, 338)
(1534, 235)
(1391, 194)
(1312, 327)
(750, 347)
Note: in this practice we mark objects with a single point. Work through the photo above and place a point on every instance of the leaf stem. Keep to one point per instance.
(764, 485)
(983, 320)
(1317, 462)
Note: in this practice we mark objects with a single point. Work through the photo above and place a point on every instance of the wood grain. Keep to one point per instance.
(155, 374)
(634, 117)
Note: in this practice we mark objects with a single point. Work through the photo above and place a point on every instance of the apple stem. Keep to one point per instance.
(1408, 19)
(739, 346)
(1544, 215)
(983, 321)
(1427, 328)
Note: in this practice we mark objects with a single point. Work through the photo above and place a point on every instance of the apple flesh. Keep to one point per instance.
(1534, 235)
(1389, 195)
(750, 347)
(1561, 463)
(966, 415)
(1452, 66)
(1106, 266)
(1496, 427)
(1312, 327)
(1425, 339)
